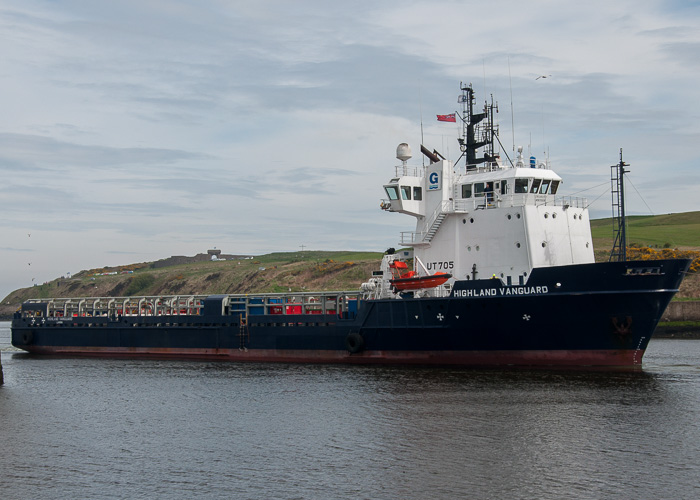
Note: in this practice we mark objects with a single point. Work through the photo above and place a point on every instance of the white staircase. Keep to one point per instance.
(434, 226)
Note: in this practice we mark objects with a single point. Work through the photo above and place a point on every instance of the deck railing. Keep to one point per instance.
(192, 305)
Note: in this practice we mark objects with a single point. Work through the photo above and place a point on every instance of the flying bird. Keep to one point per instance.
(542, 76)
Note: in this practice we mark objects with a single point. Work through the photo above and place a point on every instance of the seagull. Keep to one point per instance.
(542, 76)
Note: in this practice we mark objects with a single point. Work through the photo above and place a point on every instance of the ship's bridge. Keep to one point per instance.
(507, 187)
(486, 187)
(405, 191)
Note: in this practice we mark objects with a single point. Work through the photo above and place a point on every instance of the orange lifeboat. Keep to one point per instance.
(408, 280)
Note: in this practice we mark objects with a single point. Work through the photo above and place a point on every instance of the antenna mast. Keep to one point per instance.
(617, 184)
(476, 135)
(512, 114)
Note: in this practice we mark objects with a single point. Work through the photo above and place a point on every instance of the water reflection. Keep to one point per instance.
(120, 428)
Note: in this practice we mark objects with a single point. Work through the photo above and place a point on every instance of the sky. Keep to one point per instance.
(131, 131)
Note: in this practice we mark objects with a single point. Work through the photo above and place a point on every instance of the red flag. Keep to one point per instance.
(447, 118)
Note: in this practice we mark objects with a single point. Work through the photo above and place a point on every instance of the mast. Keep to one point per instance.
(619, 223)
(476, 135)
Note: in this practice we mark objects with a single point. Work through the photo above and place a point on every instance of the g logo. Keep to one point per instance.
(434, 181)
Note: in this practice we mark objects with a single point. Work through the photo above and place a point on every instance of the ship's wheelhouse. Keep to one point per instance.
(405, 194)
(520, 184)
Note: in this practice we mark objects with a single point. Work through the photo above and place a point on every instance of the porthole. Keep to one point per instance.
(544, 244)
(508, 217)
(471, 220)
(517, 245)
(517, 216)
(464, 221)
(546, 215)
(469, 249)
(554, 216)
(477, 248)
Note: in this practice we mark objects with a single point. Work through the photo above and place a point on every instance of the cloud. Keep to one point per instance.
(50, 152)
(141, 130)
(685, 53)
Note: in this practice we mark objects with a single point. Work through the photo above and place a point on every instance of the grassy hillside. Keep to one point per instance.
(670, 231)
(276, 272)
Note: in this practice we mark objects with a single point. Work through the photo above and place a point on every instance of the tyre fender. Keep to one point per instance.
(28, 337)
(354, 343)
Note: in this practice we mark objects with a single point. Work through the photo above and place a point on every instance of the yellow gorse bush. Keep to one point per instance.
(646, 253)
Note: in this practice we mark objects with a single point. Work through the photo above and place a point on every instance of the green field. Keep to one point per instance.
(669, 230)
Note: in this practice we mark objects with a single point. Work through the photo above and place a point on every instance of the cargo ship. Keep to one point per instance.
(503, 273)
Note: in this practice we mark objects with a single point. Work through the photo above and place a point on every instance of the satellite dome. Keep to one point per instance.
(403, 152)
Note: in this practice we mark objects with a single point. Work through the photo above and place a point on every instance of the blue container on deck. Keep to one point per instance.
(256, 309)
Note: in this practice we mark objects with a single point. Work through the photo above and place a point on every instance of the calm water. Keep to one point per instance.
(81, 428)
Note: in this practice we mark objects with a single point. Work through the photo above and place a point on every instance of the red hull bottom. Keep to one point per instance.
(622, 357)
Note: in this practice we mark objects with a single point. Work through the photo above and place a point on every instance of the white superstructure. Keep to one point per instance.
(487, 218)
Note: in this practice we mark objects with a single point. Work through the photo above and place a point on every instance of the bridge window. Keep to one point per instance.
(479, 189)
(555, 186)
(545, 186)
(392, 192)
(520, 186)
(504, 187)
(535, 185)
(405, 192)
(417, 193)
(466, 190)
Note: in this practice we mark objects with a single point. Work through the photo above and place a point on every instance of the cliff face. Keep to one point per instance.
(269, 273)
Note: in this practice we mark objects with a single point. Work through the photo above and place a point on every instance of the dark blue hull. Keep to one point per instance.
(591, 314)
